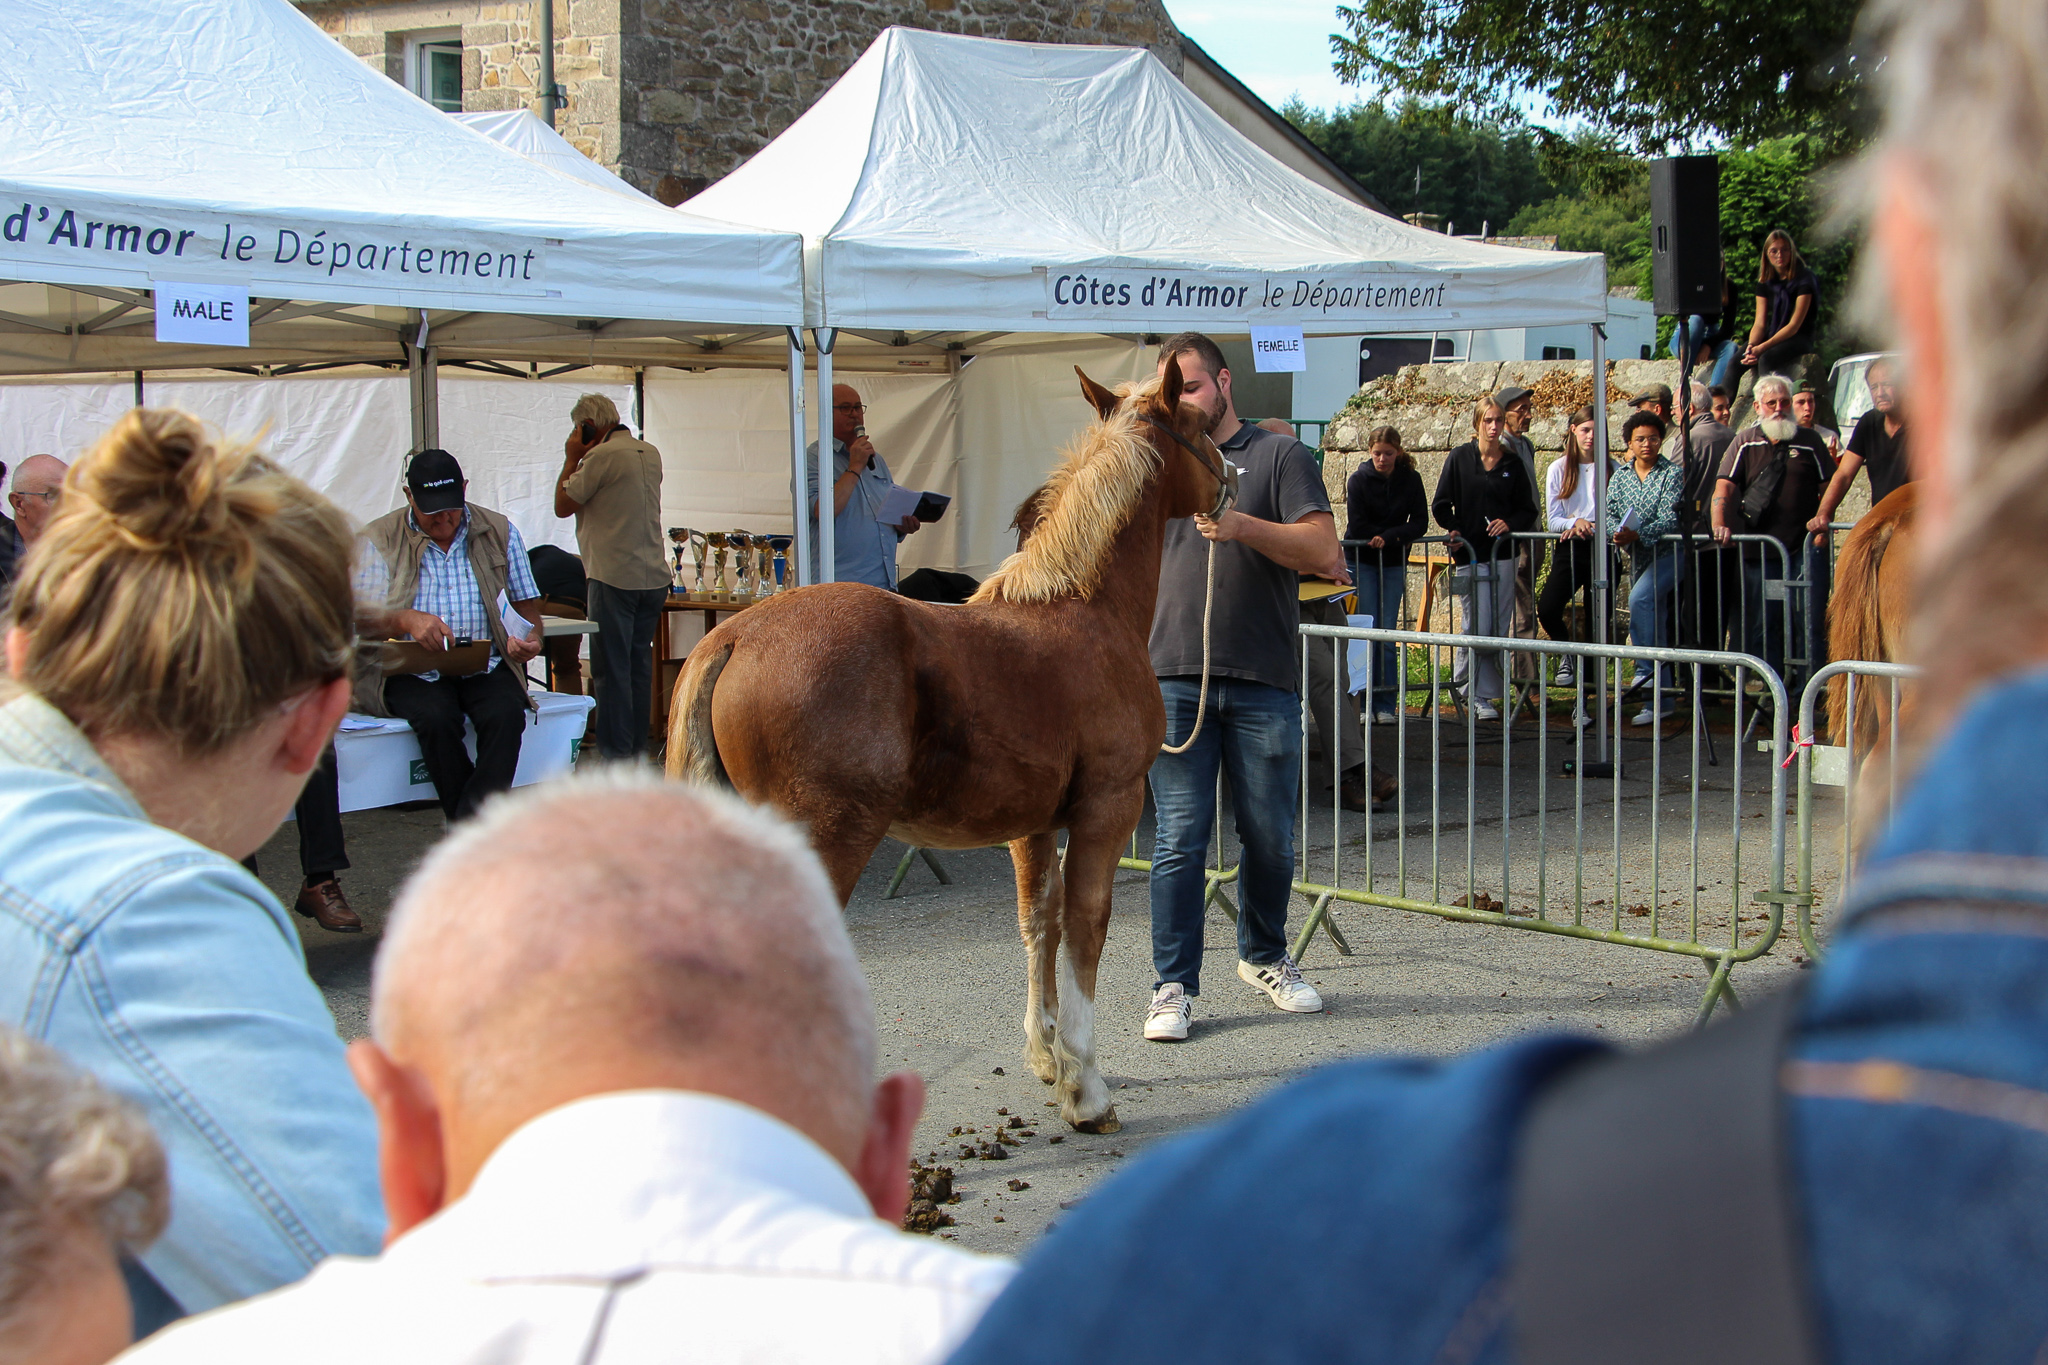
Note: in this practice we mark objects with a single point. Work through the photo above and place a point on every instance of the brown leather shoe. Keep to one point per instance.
(1351, 792)
(327, 907)
(1385, 786)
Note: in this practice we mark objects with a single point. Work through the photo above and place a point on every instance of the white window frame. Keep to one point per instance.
(417, 45)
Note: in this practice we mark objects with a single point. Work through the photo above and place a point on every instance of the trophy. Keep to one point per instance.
(717, 541)
(698, 549)
(770, 582)
(742, 543)
(678, 536)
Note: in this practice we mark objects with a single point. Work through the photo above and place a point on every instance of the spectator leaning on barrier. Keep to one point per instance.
(611, 484)
(1482, 495)
(1642, 515)
(180, 649)
(443, 569)
(1517, 410)
(1710, 577)
(1770, 485)
(1386, 511)
(1279, 529)
(642, 1127)
(1898, 1147)
(81, 1185)
(1877, 445)
(1569, 487)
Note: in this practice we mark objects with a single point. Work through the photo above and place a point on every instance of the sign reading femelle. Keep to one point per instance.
(1150, 301)
(193, 314)
(275, 255)
(1278, 350)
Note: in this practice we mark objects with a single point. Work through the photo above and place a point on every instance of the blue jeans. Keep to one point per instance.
(1768, 631)
(1725, 348)
(1253, 733)
(1649, 622)
(1379, 596)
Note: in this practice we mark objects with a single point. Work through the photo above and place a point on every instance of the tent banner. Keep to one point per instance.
(87, 239)
(1146, 300)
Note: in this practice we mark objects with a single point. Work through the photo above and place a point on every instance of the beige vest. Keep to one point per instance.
(403, 546)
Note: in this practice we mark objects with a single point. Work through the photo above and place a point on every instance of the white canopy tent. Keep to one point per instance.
(955, 192)
(235, 144)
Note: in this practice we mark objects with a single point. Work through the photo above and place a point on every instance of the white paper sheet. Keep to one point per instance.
(1358, 655)
(898, 503)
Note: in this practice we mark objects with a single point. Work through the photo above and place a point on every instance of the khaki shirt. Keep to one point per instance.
(618, 486)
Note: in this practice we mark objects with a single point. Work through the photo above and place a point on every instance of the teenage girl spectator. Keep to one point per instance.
(179, 653)
(1386, 512)
(1481, 496)
(1568, 493)
(1787, 297)
(1644, 493)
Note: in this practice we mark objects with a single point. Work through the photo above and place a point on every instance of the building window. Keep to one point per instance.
(1560, 353)
(434, 69)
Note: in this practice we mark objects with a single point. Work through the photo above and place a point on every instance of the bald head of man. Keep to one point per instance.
(33, 494)
(620, 933)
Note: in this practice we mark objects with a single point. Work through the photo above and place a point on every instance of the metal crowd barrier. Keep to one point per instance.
(1841, 764)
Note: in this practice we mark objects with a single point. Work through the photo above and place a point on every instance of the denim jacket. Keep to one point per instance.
(170, 973)
(1361, 1214)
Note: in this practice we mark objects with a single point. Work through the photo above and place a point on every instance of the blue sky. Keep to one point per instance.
(1277, 47)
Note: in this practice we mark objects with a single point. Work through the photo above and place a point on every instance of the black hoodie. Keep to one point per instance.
(1392, 506)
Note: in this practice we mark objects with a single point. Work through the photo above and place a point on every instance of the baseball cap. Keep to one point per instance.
(435, 480)
(1656, 393)
(1512, 395)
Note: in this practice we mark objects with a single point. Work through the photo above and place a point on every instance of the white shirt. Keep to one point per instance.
(1562, 512)
(625, 1228)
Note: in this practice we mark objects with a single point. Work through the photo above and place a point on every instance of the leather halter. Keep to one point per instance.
(1226, 476)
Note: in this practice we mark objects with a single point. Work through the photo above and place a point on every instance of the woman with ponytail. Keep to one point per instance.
(178, 654)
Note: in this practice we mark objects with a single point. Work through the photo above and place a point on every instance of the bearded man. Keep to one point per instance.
(1770, 483)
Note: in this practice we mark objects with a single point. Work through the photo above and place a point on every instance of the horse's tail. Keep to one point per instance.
(1856, 621)
(692, 748)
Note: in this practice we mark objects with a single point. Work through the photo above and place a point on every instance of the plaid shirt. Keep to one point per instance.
(447, 586)
(1654, 500)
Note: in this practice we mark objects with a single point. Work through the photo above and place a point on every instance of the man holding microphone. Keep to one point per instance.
(863, 548)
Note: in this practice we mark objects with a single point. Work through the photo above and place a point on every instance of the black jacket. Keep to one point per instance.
(1468, 497)
(1391, 506)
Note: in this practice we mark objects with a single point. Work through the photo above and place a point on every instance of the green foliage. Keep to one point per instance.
(1616, 223)
(1472, 173)
(1648, 75)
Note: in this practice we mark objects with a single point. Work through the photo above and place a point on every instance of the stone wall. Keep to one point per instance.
(673, 94)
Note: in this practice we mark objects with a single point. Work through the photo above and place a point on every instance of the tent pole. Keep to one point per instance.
(640, 401)
(799, 465)
(547, 60)
(825, 337)
(1601, 586)
(430, 388)
(138, 388)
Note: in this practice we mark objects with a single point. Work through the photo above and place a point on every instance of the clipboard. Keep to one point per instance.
(1319, 590)
(408, 657)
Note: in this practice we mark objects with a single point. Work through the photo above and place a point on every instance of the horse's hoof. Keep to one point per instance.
(1105, 1122)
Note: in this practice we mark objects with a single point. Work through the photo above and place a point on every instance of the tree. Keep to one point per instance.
(1649, 75)
(1468, 172)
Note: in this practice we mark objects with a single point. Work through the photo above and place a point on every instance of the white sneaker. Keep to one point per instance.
(1167, 1020)
(1565, 676)
(1383, 716)
(1281, 980)
(1646, 716)
(1485, 710)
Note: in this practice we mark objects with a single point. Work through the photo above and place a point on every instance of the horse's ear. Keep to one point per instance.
(1105, 402)
(1169, 383)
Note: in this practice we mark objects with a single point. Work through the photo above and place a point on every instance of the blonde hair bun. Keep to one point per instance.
(182, 588)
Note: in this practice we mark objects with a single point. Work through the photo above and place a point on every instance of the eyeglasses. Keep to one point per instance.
(48, 494)
(849, 407)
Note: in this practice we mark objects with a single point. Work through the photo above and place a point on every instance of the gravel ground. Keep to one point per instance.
(948, 972)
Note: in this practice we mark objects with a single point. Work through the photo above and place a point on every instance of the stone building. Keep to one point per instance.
(672, 94)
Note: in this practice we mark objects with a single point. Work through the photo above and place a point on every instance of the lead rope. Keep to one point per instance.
(1202, 703)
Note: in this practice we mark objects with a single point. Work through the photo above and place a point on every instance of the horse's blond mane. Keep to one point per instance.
(1089, 498)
